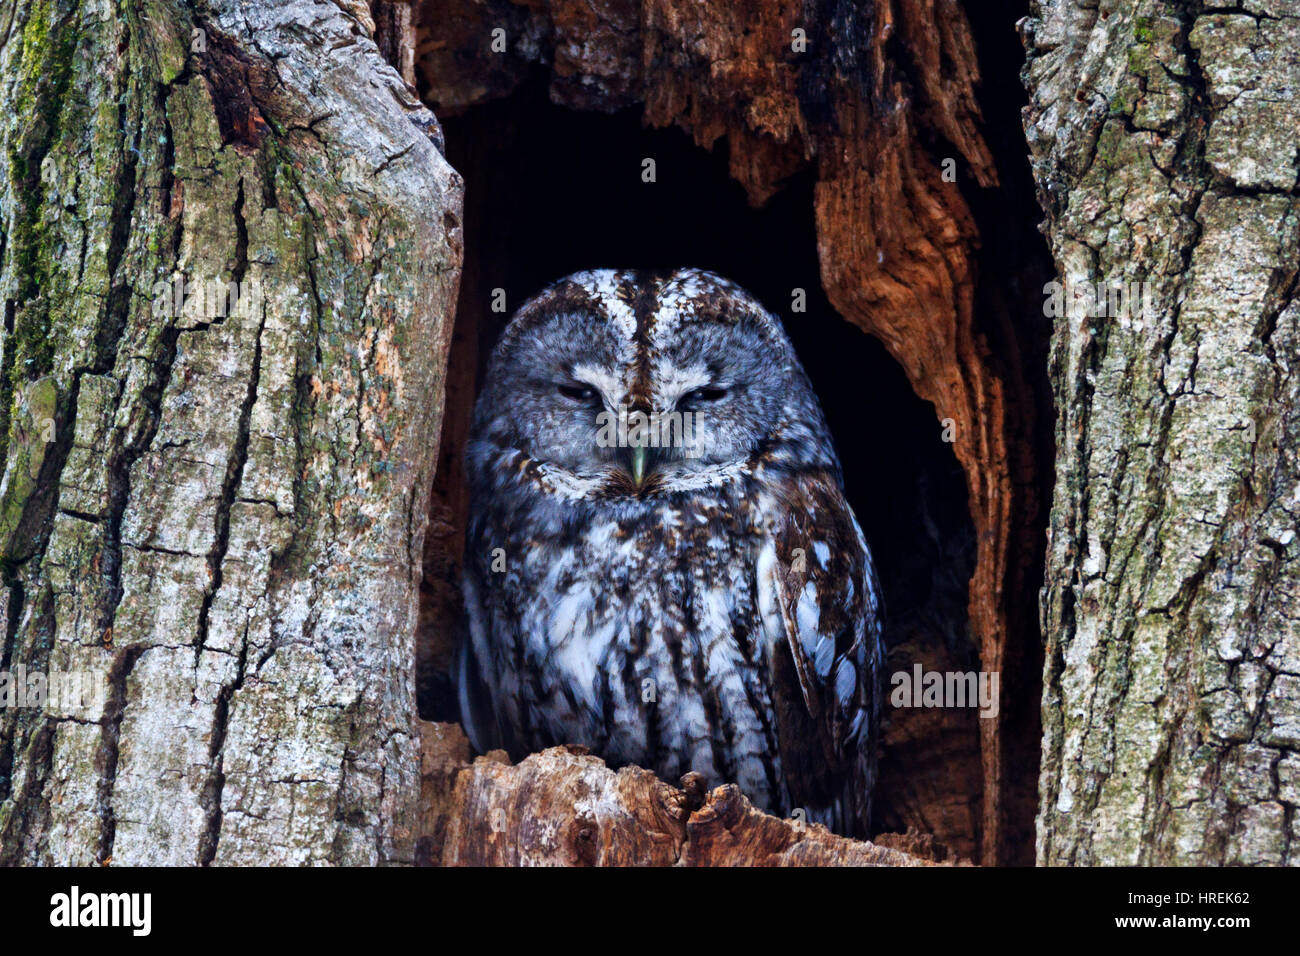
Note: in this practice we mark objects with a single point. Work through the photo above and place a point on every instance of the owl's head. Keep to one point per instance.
(617, 383)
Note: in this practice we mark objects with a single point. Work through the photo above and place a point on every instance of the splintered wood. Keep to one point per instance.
(564, 807)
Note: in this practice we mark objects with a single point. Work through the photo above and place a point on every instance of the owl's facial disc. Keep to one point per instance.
(722, 383)
(632, 386)
(691, 409)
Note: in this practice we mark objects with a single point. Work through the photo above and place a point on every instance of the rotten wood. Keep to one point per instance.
(564, 807)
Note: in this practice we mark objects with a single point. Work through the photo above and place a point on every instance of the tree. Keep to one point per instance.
(213, 503)
(1163, 143)
(229, 262)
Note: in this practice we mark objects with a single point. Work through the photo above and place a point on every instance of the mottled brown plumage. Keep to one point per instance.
(706, 606)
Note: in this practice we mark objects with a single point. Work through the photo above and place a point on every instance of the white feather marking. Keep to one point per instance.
(768, 612)
(603, 285)
(846, 680)
(609, 385)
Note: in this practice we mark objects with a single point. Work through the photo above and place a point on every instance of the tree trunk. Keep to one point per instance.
(215, 506)
(1163, 142)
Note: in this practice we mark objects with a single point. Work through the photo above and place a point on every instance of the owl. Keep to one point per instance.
(660, 562)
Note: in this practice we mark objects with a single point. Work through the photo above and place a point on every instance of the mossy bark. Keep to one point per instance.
(1163, 142)
(217, 510)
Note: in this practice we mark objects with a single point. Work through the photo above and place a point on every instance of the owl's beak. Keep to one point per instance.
(638, 458)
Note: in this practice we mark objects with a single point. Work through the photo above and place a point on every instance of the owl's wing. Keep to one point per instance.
(477, 715)
(820, 603)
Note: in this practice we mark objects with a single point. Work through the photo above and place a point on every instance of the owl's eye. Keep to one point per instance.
(578, 393)
(710, 393)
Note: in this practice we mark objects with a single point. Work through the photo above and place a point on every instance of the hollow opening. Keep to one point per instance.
(1012, 265)
(550, 191)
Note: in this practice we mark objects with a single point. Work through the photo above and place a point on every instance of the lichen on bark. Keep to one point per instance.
(1162, 136)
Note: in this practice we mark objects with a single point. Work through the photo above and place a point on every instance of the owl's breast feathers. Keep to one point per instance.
(753, 608)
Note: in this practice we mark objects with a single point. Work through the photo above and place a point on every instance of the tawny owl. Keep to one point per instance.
(660, 561)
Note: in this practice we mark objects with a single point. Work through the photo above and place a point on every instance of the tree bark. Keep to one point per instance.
(225, 525)
(1163, 142)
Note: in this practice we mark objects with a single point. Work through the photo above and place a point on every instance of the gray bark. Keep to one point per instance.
(225, 525)
(1163, 141)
